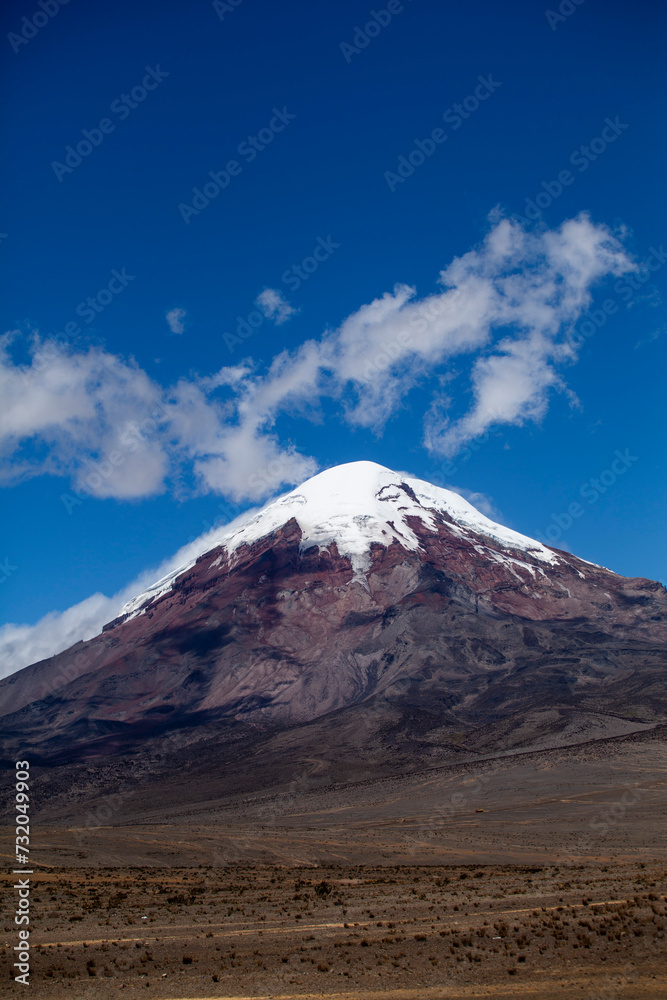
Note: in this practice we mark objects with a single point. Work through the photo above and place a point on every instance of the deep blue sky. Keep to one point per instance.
(323, 177)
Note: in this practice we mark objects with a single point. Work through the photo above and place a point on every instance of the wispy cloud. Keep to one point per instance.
(275, 306)
(68, 410)
(505, 306)
(99, 419)
(21, 645)
(481, 501)
(176, 320)
(651, 337)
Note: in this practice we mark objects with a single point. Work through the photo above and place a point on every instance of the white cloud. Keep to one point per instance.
(21, 645)
(534, 284)
(103, 422)
(652, 336)
(506, 304)
(275, 306)
(547, 288)
(82, 408)
(176, 320)
(481, 501)
(510, 387)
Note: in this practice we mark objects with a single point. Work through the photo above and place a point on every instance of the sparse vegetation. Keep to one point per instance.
(401, 924)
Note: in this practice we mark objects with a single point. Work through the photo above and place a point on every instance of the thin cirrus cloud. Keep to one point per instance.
(100, 420)
(176, 320)
(275, 306)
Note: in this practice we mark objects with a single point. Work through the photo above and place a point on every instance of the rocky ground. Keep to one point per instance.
(603, 802)
(459, 642)
(362, 932)
(529, 873)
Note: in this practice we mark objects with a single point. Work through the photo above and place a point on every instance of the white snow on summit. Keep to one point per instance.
(353, 505)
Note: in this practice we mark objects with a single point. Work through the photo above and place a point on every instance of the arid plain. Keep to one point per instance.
(394, 886)
(363, 932)
(273, 779)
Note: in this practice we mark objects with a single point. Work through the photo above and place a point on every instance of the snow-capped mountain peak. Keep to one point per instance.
(361, 586)
(356, 505)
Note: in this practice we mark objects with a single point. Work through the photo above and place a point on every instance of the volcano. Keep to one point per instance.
(365, 601)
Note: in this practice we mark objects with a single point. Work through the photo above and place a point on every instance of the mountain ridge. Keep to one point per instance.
(422, 622)
(356, 488)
